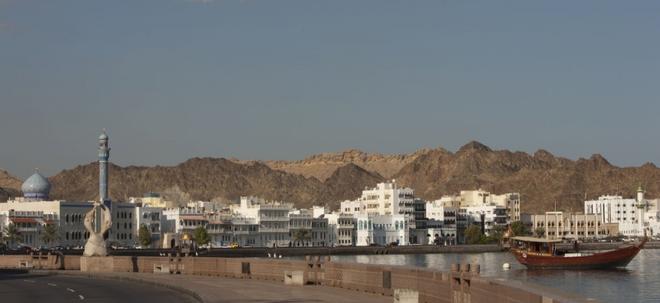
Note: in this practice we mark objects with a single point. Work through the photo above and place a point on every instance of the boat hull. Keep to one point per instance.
(611, 259)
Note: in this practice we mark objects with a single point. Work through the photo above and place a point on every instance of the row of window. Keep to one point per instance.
(76, 235)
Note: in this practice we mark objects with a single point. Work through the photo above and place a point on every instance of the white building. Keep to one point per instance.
(341, 229)
(183, 220)
(386, 199)
(509, 201)
(443, 222)
(34, 210)
(352, 207)
(318, 211)
(272, 218)
(628, 213)
(652, 217)
(227, 229)
(382, 229)
(493, 216)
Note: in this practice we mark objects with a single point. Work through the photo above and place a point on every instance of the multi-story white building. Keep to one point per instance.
(183, 220)
(272, 218)
(443, 221)
(652, 217)
(352, 207)
(320, 232)
(382, 229)
(509, 201)
(300, 228)
(628, 213)
(387, 199)
(226, 229)
(341, 229)
(493, 216)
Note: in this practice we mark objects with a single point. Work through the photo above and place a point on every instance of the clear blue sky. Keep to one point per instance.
(258, 79)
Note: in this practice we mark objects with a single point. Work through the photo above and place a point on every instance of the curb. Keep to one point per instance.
(110, 276)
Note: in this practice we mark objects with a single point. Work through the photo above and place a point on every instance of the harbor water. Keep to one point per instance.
(638, 282)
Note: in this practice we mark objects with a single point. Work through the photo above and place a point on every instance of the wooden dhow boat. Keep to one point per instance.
(539, 253)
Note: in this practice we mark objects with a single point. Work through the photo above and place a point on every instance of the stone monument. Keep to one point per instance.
(95, 257)
(95, 246)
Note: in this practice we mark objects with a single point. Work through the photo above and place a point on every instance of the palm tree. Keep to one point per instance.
(144, 236)
(12, 235)
(301, 235)
(50, 234)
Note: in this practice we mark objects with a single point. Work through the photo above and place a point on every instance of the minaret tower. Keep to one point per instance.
(104, 155)
(641, 209)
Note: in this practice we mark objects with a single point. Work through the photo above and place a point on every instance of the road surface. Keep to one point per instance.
(19, 287)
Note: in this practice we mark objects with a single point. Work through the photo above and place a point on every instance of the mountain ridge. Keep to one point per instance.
(541, 177)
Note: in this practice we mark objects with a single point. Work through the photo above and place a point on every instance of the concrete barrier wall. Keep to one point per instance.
(71, 262)
(431, 285)
(30, 261)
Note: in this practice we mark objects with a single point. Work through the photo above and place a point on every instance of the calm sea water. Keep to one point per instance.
(638, 282)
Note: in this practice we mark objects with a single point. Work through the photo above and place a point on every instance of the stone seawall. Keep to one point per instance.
(322, 251)
(460, 285)
(348, 250)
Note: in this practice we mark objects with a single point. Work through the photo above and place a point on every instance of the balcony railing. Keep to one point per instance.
(273, 230)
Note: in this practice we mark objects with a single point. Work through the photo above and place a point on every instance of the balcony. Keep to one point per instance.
(27, 229)
(273, 230)
(274, 218)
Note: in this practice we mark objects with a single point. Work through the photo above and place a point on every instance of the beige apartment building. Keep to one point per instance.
(557, 225)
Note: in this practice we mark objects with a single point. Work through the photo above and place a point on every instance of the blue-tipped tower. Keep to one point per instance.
(104, 155)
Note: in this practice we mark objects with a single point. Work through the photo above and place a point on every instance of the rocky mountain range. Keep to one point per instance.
(542, 178)
(322, 166)
(10, 186)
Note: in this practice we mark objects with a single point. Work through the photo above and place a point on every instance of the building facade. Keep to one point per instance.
(560, 225)
(382, 230)
(629, 214)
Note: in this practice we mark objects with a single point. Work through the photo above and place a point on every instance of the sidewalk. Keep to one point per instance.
(218, 289)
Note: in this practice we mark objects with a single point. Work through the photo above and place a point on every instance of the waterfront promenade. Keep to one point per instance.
(319, 279)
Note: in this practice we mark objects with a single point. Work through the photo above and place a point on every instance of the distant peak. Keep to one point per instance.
(474, 145)
(542, 153)
(598, 158)
(649, 165)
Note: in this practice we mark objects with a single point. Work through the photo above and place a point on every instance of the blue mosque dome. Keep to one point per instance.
(36, 187)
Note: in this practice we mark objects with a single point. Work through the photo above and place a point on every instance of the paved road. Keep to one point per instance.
(30, 288)
(230, 290)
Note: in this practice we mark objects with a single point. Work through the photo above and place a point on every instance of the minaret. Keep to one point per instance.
(641, 209)
(640, 194)
(104, 155)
